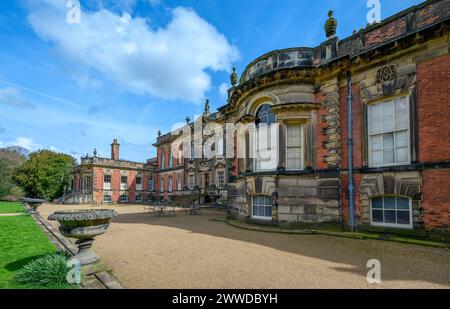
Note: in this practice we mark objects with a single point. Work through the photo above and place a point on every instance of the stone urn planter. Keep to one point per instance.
(84, 225)
(33, 204)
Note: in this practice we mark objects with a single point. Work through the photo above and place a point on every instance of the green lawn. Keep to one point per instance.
(21, 241)
(11, 207)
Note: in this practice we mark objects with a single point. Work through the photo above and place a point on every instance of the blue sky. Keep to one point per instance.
(133, 67)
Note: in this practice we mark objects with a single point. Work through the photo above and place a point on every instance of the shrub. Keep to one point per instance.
(49, 271)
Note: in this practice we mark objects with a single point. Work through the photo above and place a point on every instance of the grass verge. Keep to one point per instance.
(21, 242)
(11, 207)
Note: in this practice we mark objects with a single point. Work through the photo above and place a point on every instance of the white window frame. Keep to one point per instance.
(109, 200)
(150, 184)
(302, 146)
(265, 206)
(220, 184)
(408, 134)
(123, 201)
(409, 226)
(136, 198)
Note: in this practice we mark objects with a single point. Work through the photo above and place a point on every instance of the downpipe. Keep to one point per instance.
(351, 186)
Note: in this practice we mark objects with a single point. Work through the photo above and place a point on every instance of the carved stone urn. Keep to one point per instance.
(33, 204)
(84, 225)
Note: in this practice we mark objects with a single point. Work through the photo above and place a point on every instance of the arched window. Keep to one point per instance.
(266, 156)
(391, 211)
(262, 207)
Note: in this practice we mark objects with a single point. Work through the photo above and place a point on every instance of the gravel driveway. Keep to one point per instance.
(198, 252)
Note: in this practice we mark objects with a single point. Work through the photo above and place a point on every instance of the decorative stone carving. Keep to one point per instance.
(387, 73)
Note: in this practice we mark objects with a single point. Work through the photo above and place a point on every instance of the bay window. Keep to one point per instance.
(389, 141)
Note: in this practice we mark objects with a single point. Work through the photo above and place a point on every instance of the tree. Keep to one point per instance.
(45, 174)
(10, 160)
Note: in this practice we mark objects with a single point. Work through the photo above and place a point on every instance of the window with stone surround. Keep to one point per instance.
(262, 207)
(220, 179)
(391, 211)
(389, 136)
(266, 138)
(150, 185)
(139, 180)
(295, 147)
(107, 178)
(124, 198)
(107, 198)
(123, 179)
(138, 197)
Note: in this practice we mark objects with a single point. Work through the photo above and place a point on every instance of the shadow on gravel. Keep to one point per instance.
(402, 262)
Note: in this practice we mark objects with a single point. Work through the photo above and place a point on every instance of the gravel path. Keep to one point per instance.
(198, 252)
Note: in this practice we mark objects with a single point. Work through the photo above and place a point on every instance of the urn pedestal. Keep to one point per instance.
(84, 225)
(33, 204)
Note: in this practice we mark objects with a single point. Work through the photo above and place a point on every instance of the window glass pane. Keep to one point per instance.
(402, 154)
(377, 203)
(403, 217)
(374, 111)
(401, 139)
(388, 140)
(388, 123)
(268, 211)
(377, 216)
(390, 217)
(377, 157)
(389, 202)
(294, 135)
(375, 126)
(388, 155)
(400, 105)
(376, 143)
(402, 203)
(387, 109)
(401, 121)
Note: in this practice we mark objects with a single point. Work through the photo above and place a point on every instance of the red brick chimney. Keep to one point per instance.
(115, 150)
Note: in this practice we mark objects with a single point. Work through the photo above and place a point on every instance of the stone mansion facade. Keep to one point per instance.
(363, 131)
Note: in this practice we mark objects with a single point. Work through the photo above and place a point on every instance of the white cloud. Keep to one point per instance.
(169, 63)
(29, 144)
(12, 97)
(26, 143)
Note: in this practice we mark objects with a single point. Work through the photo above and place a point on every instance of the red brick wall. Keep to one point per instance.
(357, 127)
(433, 79)
(436, 202)
(382, 34)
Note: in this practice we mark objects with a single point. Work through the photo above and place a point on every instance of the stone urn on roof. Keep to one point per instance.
(331, 25)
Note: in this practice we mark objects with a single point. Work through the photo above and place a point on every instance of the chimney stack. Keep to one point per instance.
(115, 150)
